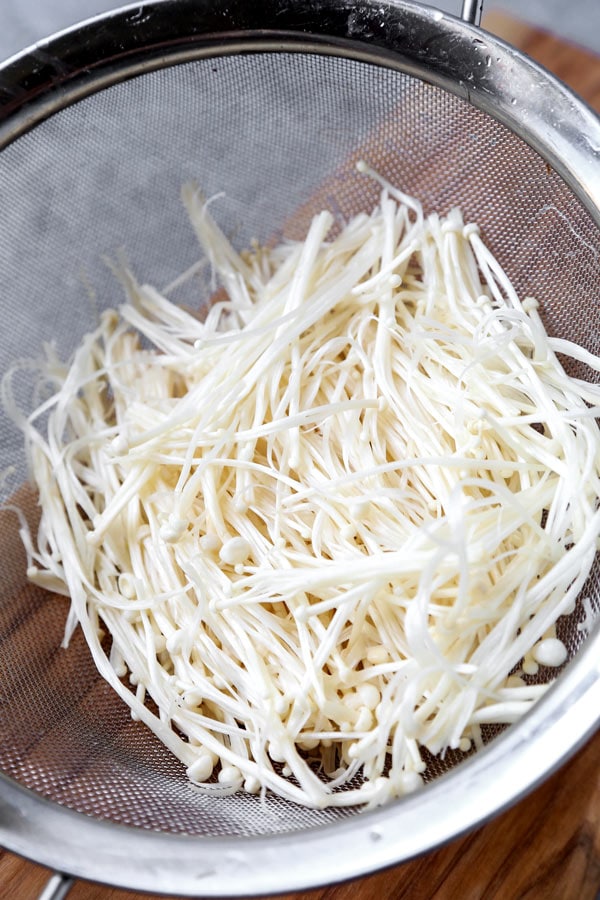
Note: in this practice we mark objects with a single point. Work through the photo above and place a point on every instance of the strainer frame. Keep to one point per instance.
(450, 54)
(417, 40)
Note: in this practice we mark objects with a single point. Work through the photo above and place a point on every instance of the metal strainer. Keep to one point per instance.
(99, 127)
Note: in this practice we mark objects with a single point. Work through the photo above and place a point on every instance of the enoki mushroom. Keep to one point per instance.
(331, 524)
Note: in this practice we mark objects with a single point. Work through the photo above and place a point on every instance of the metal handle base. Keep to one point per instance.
(57, 887)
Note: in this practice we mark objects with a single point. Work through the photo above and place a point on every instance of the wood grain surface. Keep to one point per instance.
(545, 848)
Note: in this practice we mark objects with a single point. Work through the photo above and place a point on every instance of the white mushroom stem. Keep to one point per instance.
(324, 525)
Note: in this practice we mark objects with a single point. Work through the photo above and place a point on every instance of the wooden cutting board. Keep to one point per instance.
(545, 848)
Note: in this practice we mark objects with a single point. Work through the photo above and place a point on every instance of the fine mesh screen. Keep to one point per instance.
(279, 134)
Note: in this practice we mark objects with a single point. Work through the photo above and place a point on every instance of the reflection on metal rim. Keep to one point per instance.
(419, 41)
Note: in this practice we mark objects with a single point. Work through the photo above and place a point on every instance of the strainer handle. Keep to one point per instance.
(471, 11)
(57, 888)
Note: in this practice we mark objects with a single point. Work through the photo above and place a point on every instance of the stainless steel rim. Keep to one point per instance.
(435, 47)
(492, 76)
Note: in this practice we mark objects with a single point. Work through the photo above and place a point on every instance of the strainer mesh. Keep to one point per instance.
(280, 134)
